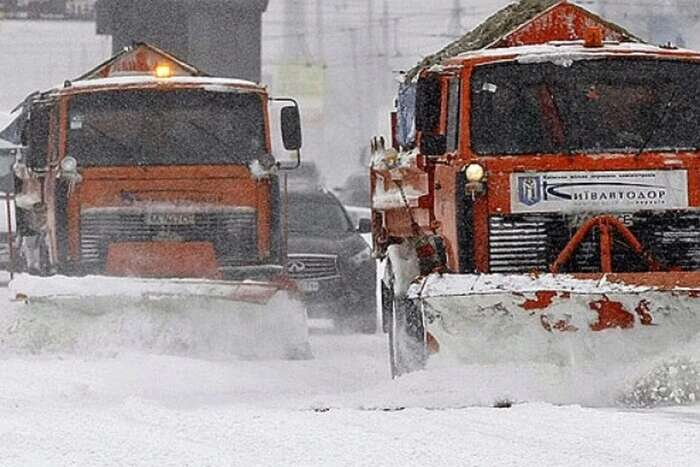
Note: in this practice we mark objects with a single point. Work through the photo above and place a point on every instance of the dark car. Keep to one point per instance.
(306, 176)
(355, 190)
(330, 261)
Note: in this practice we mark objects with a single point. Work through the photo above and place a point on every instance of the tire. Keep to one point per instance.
(387, 307)
(408, 350)
(44, 262)
(23, 263)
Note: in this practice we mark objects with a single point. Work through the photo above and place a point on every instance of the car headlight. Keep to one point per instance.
(474, 173)
(361, 256)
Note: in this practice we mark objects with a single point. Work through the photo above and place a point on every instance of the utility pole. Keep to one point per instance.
(319, 34)
(294, 31)
(359, 85)
(371, 71)
(384, 24)
(385, 71)
(397, 50)
(455, 27)
(321, 61)
(370, 26)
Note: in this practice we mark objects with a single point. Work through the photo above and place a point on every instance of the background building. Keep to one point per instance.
(222, 37)
(48, 9)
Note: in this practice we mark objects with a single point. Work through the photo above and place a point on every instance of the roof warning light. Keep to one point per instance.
(163, 71)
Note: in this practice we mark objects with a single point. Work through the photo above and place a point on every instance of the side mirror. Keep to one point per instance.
(7, 179)
(433, 145)
(291, 128)
(365, 226)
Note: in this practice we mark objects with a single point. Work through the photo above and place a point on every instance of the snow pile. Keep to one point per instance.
(394, 198)
(391, 159)
(674, 382)
(448, 383)
(168, 317)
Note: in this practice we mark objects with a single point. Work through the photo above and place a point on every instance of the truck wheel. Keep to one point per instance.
(44, 262)
(387, 306)
(408, 349)
(40, 265)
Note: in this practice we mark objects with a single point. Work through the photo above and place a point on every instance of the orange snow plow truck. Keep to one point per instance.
(541, 190)
(148, 188)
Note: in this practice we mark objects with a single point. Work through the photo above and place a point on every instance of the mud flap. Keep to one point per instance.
(407, 339)
(186, 317)
(556, 318)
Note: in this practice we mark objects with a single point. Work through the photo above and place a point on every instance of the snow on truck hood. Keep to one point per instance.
(209, 83)
(564, 53)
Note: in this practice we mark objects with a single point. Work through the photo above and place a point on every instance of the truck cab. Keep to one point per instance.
(148, 167)
(545, 180)
(527, 144)
(506, 152)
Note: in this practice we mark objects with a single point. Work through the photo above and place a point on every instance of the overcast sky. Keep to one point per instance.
(353, 49)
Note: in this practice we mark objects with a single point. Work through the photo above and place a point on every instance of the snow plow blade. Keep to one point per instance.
(195, 317)
(558, 319)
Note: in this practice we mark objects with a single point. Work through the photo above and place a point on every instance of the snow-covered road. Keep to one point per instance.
(126, 408)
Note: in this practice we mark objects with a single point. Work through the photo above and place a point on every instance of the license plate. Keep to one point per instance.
(309, 286)
(169, 219)
(626, 219)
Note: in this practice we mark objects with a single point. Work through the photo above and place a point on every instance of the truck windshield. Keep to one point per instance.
(175, 127)
(594, 106)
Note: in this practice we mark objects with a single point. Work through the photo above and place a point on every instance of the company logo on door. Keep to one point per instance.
(605, 191)
(530, 190)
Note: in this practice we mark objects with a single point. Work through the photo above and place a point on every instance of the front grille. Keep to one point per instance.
(311, 266)
(518, 245)
(232, 232)
(531, 242)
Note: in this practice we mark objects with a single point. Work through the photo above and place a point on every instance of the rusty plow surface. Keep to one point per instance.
(559, 318)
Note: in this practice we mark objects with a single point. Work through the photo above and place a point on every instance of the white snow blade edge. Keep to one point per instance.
(194, 317)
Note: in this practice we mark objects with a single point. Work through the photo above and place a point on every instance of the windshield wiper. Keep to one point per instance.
(109, 137)
(659, 123)
(211, 135)
(551, 113)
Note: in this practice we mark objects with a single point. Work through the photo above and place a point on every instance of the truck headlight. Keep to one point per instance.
(361, 256)
(474, 173)
(69, 170)
(69, 164)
